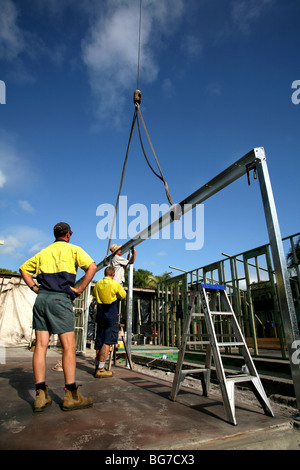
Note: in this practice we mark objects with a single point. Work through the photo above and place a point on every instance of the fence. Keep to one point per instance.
(250, 283)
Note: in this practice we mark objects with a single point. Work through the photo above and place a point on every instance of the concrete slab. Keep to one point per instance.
(131, 411)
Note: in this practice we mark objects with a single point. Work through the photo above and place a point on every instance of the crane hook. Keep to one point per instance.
(137, 98)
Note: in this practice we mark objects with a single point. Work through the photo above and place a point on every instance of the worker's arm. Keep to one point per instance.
(121, 293)
(89, 274)
(132, 259)
(29, 281)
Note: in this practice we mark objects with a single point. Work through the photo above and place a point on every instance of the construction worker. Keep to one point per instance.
(119, 263)
(107, 291)
(56, 267)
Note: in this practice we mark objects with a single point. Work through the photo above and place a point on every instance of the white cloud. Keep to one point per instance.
(15, 170)
(110, 50)
(162, 253)
(11, 246)
(191, 47)
(109, 47)
(245, 11)
(214, 89)
(17, 43)
(2, 179)
(11, 37)
(168, 87)
(26, 206)
(22, 242)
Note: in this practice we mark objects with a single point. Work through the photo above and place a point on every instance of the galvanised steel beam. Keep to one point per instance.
(228, 176)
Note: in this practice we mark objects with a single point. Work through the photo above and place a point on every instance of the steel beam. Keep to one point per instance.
(228, 176)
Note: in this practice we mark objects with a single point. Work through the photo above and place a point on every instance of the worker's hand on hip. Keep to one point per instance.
(76, 290)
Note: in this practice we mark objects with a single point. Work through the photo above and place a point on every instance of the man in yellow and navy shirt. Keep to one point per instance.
(107, 292)
(56, 267)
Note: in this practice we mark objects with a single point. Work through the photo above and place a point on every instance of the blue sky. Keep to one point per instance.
(216, 80)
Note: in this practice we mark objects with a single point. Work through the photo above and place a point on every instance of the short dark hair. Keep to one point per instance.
(61, 229)
(109, 271)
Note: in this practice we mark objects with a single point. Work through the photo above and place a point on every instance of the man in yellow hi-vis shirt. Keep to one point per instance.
(55, 267)
(107, 292)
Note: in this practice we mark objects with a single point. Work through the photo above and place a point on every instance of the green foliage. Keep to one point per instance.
(293, 257)
(146, 279)
(7, 271)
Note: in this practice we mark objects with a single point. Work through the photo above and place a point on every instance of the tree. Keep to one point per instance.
(293, 257)
(141, 278)
(146, 279)
(7, 271)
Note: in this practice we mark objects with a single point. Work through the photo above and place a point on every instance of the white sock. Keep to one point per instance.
(101, 365)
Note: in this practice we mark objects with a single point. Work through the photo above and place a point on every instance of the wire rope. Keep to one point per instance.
(136, 115)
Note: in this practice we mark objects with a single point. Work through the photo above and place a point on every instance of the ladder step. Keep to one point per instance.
(221, 313)
(198, 342)
(232, 343)
(196, 314)
(213, 286)
(240, 378)
(192, 371)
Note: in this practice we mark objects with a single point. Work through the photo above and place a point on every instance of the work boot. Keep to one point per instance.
(74, 401)
(42, 400)
(103, 373)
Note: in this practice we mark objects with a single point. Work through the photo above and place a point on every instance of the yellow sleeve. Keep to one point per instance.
(83, 259)
(121, 293)
(30, 265)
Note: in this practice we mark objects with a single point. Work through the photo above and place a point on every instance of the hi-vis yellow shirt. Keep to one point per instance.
(56, 266)
(107, 291)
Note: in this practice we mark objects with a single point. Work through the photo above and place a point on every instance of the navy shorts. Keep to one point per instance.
(107, 324)
(53, 312)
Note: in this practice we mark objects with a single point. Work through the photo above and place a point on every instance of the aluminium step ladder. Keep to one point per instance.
(114, 347)
(213, 344)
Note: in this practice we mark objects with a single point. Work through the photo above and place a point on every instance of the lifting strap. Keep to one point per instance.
(137, 113)
(137, 97)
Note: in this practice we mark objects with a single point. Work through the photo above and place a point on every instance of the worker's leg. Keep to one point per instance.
(98, 354)
(39, 370)
(100, 366)
(68, 343)
(104, 353)
(39, 356)
(73, 400)
(101, 355)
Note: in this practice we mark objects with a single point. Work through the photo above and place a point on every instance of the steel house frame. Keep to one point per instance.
(254, 160)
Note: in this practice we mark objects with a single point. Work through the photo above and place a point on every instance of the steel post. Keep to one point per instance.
(288, 314)
(129, 311)
(86, 316)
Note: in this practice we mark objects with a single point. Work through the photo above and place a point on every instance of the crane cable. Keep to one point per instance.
(137, 97)
(162, 176)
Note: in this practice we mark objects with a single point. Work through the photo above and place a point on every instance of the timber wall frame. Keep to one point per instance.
(250, 283)
(254, 160)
